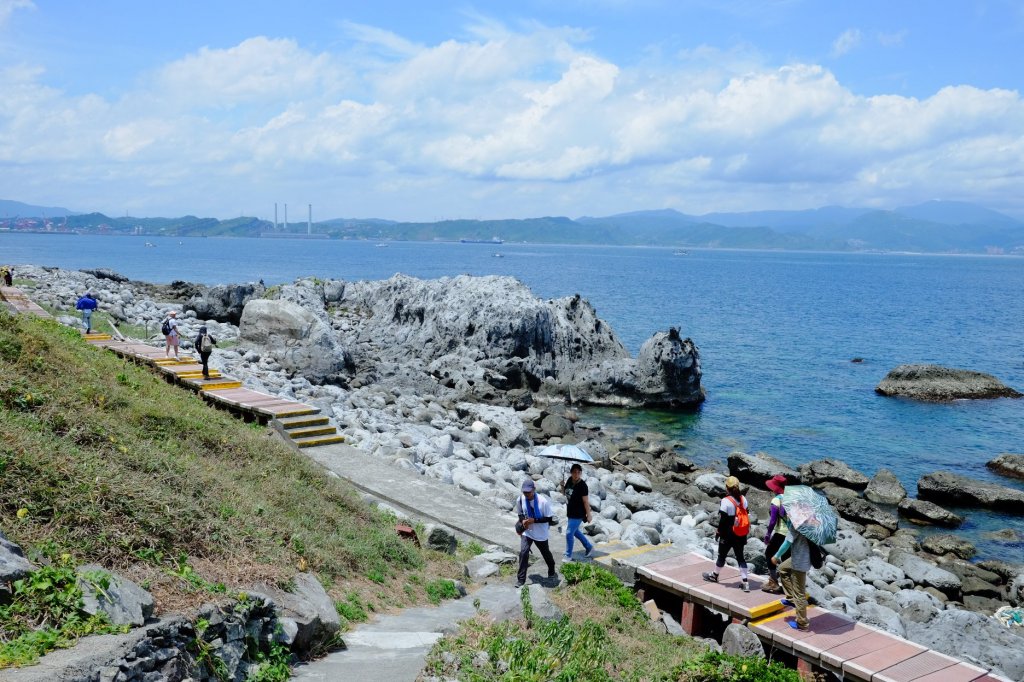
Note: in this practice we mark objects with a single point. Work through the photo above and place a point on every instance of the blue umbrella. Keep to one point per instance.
(569, 453)
(810, 514)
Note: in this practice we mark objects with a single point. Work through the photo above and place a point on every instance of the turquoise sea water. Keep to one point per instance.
(776, 332)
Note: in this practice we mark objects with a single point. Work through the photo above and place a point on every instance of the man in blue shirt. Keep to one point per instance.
(86, 304)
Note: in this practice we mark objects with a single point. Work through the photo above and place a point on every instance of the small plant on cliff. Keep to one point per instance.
(45, 613)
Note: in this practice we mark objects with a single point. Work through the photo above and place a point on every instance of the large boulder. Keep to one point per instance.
(926, 574)
(885, 488)
(124, 602)
(224, 302)
(668, 372)
(296, 338)
(942, 384)
(944, 486)
(308, 607)
(1008, 465)
(833, 471)
(757, 468)
(928, 513)
(863, 512)
(974, 636)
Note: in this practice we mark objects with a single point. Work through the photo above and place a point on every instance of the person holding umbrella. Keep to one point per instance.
(811, 519)
(577, 510)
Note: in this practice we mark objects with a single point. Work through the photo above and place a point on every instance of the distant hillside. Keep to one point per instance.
(934, 226)
(12, 209)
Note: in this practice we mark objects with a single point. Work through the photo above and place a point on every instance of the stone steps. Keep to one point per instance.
(308, 430)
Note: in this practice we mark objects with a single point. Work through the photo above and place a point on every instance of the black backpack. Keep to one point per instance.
(817, 555)
(165, 328)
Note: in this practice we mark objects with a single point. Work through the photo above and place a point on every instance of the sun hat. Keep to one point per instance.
(528, 486)
(777, 483)
(732, 483)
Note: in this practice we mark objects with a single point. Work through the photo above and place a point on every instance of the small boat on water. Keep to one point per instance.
(498, 255)
(150, 244)
(680, 253)
(382, 245)
(492, 240)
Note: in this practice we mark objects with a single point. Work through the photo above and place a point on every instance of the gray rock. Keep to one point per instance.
(542, 606)
(739, 640)
(881, 617)
(309, 606)
(965, 634)
(224, 302)
(917, 606)
(926, 574)
(758, 468)
(872, 568)
(639, 482)
(478, 569)
(885, 488)
(505, 424)
(944, 486)
(296, 338)
(948, 544)
(441, 538)
(862, 511)
(928, 513)
(668, 372)
(13, 564)
(1008, 465)
(124, 602)
(942, 384)
(832, 471)
(849, 546)
(554, 425)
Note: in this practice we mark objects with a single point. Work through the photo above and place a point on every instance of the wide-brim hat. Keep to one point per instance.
(777, 483)
(732, 483)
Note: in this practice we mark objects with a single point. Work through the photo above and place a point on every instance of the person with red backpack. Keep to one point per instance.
(733, 528)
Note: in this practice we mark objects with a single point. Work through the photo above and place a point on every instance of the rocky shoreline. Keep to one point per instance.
(462, 379)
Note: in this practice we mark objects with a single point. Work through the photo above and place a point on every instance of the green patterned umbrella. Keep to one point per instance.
(809, 512)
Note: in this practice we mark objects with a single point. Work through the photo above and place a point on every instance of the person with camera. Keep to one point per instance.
(534, 512)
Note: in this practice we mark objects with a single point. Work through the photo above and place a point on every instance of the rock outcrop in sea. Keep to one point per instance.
(935, 383)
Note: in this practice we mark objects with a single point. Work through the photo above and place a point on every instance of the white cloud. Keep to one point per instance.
(8, 7)
(503, 123)
(846, 41)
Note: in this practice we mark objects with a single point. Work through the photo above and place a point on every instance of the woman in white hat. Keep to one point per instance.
(170, 331)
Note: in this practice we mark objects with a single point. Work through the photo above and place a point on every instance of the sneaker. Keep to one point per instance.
(552, 574)
(786, 602)
(520, 583)
(746, 586)
(567, 557)
(796, 626)
(770, 586)
(589, 553)
(710, 577)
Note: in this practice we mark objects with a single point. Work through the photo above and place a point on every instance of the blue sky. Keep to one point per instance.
(424, 111)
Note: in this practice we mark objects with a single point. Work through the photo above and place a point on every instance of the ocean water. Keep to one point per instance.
(777, 332)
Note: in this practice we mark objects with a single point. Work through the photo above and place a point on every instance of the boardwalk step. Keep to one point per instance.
(324, 430)
(221, 385)
(319, 440)
(290, 423)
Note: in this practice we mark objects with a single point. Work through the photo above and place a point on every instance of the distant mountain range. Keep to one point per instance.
(931, 227)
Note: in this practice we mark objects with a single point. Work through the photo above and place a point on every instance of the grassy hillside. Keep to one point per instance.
(104, 461)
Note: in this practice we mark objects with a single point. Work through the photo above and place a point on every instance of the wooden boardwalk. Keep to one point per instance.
(218, 390)
(834, 642)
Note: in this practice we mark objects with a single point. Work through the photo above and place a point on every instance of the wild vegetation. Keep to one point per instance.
(104, 462)
(604, 634)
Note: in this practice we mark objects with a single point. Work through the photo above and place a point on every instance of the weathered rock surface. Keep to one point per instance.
(928, 513)
(757, 468)
(885, 488)
(13, 564)
(963, 633)
(862, 511)
(944, 486)
(925, 573)
(948, 544)
(299, 340)
(309, 607)
(1008, 465)
(942, 384)
(224, 302)
(739, 640)
(124, 602)
(832, 471)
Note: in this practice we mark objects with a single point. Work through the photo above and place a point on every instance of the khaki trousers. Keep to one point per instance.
(794, 584)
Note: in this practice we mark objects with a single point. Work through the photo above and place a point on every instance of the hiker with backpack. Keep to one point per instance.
(204, 343)
(733, 527)
(169, 328)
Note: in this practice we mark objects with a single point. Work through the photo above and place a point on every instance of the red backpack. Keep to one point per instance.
(741, 526)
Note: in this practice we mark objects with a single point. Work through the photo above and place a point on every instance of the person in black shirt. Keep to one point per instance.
(577, 511)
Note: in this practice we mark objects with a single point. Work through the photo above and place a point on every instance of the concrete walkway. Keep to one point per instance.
(395, 647)
(424, 498)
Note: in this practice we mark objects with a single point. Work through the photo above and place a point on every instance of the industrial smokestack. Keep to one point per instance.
(309, 225)
(286, 217)
(275, 216)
